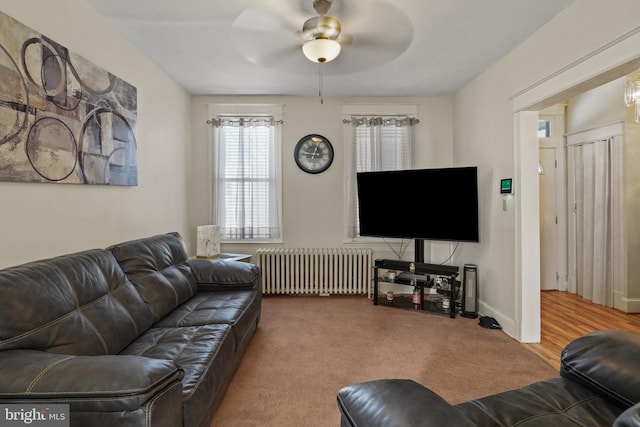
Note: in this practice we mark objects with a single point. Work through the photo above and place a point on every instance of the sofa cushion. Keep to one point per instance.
(241, 309)
(216, 275)
(158, 267)
(78, 304)
(207, 308)
(205, 353)
(554, 402)
(605, 362)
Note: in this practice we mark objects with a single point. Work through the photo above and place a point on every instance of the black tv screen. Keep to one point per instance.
(429, 204)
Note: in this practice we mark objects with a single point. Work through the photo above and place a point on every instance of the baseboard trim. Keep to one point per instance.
(509, 326)
(627, 305)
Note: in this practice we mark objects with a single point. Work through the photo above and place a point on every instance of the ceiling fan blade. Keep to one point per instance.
(266, 49)
(365, 46)
(262, 20)
(345, 39)
(346, 10)
(264, 37)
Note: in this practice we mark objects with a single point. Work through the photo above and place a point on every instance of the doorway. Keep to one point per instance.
(619, 58)
(595, 184)
(581, 190)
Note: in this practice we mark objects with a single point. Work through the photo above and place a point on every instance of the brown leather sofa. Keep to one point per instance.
(598, 385)
(136, 334)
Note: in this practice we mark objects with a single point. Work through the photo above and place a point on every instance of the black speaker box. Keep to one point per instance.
(470, 291)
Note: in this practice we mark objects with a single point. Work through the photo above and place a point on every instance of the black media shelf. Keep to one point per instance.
(425, 274)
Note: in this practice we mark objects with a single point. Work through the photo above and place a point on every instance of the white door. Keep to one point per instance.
(597, 220)
(549, 255)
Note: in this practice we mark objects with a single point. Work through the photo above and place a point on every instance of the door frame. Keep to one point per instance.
(617, 58)
(556, 141)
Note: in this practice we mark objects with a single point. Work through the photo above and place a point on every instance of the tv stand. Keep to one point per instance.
(423, 273)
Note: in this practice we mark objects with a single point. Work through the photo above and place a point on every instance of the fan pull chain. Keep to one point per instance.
(320, 82)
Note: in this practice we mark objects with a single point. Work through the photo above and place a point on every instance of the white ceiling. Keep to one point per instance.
(391, 47)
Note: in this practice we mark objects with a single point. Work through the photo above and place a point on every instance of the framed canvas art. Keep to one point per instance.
(63, 119)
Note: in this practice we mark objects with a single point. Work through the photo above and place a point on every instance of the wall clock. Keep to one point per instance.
(313, 153)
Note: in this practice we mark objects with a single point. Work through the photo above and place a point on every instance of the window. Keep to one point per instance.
(544, 128)
(380, 142)
(246, 177)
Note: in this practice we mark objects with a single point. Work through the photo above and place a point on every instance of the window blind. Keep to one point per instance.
(246, 178)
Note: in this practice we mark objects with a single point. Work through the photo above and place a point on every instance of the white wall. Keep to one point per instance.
(596, 107)
(484, 133)
(43, 220)
(313, 205)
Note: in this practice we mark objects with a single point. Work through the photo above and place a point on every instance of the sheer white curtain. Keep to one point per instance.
(594, 276)
(246, 205)
(378, 143)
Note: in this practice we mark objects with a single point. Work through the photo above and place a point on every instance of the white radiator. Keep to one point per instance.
(315, 271)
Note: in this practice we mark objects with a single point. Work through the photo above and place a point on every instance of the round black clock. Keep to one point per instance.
(313, 153)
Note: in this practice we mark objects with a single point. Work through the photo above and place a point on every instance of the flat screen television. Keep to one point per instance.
(425, 204)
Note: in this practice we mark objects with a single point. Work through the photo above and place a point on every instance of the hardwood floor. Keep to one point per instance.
(566, 316)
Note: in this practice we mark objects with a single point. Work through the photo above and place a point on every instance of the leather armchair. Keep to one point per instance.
(598, 385)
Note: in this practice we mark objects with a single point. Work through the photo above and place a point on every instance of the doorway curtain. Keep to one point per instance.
(593, 208)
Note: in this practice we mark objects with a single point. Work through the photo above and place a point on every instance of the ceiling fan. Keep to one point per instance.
(287, 39)
(320, 34)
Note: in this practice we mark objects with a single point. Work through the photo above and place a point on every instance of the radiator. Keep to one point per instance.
(315, 271)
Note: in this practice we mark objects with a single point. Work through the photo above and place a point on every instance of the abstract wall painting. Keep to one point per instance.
(62, 118)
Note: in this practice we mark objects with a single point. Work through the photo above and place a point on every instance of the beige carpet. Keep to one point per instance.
(307, 348)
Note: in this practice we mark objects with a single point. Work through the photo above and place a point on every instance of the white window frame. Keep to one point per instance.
(274, 110)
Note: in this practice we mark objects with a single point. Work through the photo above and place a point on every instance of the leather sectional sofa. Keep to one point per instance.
(137, 334)
(598, 385)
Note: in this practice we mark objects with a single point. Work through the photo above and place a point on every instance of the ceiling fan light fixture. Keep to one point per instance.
(326, 27)
(321, 50)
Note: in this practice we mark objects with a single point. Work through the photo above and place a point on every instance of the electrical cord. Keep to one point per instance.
(399, 253)
(453, 252)
(403, 247)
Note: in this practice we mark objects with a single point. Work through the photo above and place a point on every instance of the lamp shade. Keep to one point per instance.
(321, 50)
(208, 243)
